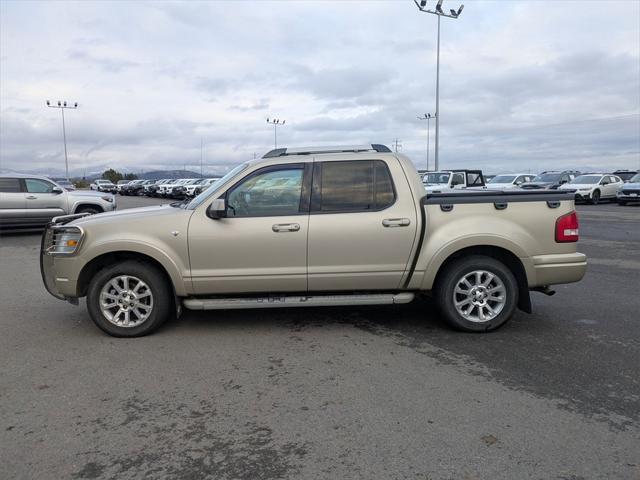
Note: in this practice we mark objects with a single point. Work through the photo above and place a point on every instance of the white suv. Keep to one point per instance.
(103, 186)
(593, 187)
(509, 181)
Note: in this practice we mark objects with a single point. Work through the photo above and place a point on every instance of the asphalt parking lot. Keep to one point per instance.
(331, 393)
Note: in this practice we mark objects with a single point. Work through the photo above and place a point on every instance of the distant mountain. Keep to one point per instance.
(159, 174)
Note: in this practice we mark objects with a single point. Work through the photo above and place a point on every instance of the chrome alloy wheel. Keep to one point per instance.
(479, 296)
(126, 301)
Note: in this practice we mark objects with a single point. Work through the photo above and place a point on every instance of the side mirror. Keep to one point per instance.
(57, 190)
(562, 182)
(217, 209)
(604, 182)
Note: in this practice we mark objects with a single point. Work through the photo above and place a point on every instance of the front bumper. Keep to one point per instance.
(584, 196)
(628, 197)
(46, 265)
(59, 272)
(557, 268)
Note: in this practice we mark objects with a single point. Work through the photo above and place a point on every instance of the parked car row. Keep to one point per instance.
(589, 187)
(166, 188)
(622, 186)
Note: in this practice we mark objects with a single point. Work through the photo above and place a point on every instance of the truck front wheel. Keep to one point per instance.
(477, 293)
(129, 299)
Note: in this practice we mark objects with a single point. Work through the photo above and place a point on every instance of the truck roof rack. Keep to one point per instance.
(283, 152)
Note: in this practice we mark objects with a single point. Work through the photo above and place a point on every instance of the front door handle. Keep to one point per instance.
(31, 197)
(285, 227)
(396, 222)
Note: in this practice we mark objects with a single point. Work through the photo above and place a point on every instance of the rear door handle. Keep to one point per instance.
(396, 222)
(285, 227)
(31, 197)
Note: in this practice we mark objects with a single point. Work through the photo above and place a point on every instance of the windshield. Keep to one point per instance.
(205, 194)
(635, 178)
(503, 179)
(547, 177)
(436, 177)
(586, 179)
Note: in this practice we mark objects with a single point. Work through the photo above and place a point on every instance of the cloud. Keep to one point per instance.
(111, 65)
(524, 85)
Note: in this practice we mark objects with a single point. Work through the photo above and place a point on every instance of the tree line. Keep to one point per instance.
(115, 175)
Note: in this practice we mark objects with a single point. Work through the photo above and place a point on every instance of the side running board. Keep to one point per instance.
(297, 301)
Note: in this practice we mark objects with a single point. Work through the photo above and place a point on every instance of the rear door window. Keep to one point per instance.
(352, 186)
(10, 185)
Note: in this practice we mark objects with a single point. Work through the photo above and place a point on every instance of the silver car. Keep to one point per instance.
(30, 201)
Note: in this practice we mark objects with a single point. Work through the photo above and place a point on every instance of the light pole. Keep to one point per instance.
(427, 117)
(62, 106)
(440, 13)
(276, 123)
(201, 155)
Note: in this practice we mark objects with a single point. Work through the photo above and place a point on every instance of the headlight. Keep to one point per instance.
(107, 198)
(65, 240)
(585, 190)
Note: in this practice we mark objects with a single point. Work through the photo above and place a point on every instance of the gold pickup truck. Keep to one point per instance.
(316, 227)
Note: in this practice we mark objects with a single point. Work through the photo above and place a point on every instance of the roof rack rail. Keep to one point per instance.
(283, 152)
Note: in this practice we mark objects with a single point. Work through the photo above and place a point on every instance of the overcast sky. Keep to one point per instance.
(525, 85)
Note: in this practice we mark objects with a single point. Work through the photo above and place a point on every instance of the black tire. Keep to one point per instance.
(595, 197)
(91, 210)
(162, 293)
(447, 282)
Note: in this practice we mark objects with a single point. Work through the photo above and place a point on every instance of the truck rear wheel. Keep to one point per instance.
(477, 293)
(129, 299)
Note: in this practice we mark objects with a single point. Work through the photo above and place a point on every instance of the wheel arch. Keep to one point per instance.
(507, 257)
(100, 261)
(79, 206)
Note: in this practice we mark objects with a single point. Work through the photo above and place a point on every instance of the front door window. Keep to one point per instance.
(268, 194)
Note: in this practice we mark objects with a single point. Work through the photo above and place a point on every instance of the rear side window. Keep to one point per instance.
(474, 179)
(9, 185)
(352, 186)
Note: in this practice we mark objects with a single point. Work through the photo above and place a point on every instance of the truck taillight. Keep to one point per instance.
(567, 228)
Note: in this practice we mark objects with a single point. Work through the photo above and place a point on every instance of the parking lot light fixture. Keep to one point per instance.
(422, 6)
(63, 106)
(276, 123)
